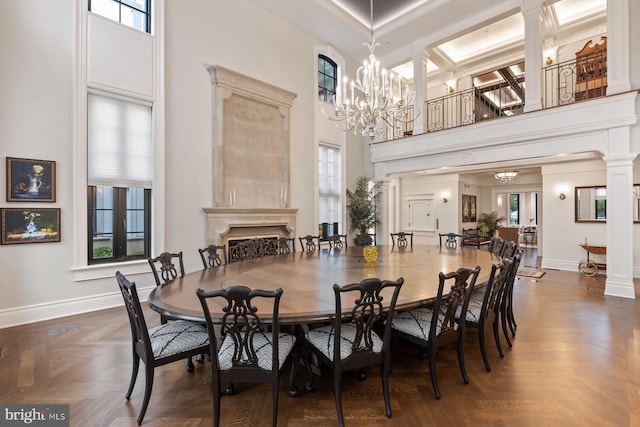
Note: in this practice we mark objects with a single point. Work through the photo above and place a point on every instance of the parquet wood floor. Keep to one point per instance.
(575, 362)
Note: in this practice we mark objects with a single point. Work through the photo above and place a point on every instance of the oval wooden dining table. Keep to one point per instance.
(307, 279)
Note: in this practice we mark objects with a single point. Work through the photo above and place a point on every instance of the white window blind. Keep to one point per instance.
(120, 148)
(329, 183)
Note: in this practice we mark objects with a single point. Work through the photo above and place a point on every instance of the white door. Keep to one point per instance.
(420, 215)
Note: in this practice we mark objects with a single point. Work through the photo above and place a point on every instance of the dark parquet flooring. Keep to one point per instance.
(575, 362)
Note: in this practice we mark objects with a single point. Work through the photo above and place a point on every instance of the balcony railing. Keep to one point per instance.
(575, 80)
(402, 125)
(565, 83)
(474, 105)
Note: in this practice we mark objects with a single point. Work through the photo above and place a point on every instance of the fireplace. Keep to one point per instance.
(225, 224)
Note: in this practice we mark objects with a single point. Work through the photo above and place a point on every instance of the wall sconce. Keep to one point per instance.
(549, 60)
(562, 196)
(451, 89)
(444, 200)
(445, 195)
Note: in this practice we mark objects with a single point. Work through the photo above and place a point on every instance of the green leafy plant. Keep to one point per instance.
(362, 205)
(490, 222)
(103, 252)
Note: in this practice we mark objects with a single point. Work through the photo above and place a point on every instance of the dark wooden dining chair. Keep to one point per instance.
(167, 267)
(164, 267)
(309, 243)
(251, 249)
(159, 345)
(246, 353)
(439, 323)
(402, 240)
(354, 344)
(338, 241)
(506, 309)
(508, 249)
(213, 256)
(286, 245)
(496, 249)
(492, 243)
(483, 312)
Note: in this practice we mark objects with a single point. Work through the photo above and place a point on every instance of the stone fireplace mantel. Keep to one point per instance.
(223, 223)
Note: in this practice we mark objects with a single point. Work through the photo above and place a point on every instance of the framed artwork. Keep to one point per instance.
(26, 225)
(469, 208)
(466, 208)
(30, 180)
(472, 209)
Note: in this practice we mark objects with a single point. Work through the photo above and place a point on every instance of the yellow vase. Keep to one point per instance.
(370, 253)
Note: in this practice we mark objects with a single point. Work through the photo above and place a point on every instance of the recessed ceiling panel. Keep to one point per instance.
(406, 70)
(384, 11)
(503, 32)
(568, 11)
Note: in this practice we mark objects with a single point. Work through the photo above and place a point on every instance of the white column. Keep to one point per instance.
(619, 214)
(618, 54)
(419, 86)
(386, 214)
(532, 12)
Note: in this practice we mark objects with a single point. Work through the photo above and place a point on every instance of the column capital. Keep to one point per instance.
(530, 6)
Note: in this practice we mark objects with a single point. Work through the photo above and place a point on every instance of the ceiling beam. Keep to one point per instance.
(511, 79)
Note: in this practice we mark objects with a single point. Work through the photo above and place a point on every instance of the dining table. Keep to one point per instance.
(307, 280)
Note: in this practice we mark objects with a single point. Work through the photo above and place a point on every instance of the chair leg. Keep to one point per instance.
(147, 391)
(496, 336)
(512, 321)
(190, 366)
(432, 372)
(503, 319)
(483, 347)
(306, 360)
(216, 394)
(134, 374)
(463, 369)
(338, 392)
(293, 388)
(274, 397)
(386, 368)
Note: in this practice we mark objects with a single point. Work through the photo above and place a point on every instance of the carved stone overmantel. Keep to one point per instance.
(251, 121)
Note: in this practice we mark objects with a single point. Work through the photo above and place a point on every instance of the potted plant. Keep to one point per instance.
(490, 222)
(362, 205)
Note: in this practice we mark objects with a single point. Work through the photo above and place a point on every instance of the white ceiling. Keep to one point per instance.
(451, 31)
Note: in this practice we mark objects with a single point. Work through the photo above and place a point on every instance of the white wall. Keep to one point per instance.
(36, 121)
(565, 254)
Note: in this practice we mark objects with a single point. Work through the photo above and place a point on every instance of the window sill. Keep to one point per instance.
(103, 271)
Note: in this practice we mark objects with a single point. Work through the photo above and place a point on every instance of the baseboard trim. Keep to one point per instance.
(58, 309)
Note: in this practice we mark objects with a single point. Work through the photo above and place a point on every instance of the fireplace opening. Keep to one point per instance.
(250, 248)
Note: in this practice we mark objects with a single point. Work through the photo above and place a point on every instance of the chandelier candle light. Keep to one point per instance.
(375, 98)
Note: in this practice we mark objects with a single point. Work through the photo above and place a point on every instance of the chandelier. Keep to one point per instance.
(506, 177)
(376, 100)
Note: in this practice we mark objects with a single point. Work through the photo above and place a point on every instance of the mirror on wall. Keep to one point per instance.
(591, 203)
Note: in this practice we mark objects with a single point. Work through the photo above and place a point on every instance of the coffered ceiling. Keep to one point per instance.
(452, 32)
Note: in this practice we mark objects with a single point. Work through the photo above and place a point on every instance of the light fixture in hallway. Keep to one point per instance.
(506, 177)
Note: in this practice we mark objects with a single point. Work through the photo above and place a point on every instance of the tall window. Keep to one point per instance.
(329, 184)
(132, 13)
(514, 209)
(120, 174)
(327, 78)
